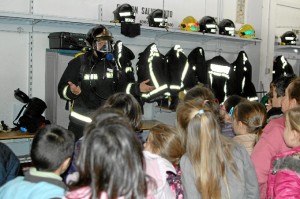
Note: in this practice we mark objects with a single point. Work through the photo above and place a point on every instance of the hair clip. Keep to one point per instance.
(201, 111)
(231, 111)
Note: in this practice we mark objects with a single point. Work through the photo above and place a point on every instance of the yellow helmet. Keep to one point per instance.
(189, 23)
(247, 31)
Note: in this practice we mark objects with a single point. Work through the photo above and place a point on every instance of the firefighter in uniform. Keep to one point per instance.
(92, 77)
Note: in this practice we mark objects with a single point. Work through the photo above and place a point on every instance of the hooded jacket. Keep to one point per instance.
(284, 175)
(197, 62)
(241, 81)
(281, 67)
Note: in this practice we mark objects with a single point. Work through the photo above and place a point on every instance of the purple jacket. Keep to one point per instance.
(284, 175)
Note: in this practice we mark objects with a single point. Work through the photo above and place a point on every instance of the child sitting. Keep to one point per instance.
(226, 111)
(162, 152)
(51, 152)
(110, 162)
(213, 166)
(249, 118)
(284, 180)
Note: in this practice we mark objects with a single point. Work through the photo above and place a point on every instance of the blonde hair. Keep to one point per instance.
(210, 152)
(294, 90)
(165, 140)
(292, 117)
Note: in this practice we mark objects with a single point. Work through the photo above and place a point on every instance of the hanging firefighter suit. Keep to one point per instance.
(241, 78)
(151, 65)
(180, 73)
(281, 67)
(197, 63)
(218, 75)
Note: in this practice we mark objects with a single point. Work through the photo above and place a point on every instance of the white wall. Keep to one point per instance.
(19, 56)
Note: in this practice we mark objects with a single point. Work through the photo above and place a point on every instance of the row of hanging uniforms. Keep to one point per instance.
(227, 79)
(222, 77)
(175, 72)
(169, 74)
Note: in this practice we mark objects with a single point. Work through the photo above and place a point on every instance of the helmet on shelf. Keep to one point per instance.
(189, 23)
(124, 13)
(208, 25)
(288, 38)
(247, 31)
(226, 27)
(157, 19)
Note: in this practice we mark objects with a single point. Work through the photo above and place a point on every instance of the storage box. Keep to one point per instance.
(66, 40)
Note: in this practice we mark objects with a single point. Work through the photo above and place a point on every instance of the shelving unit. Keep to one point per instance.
(150, 32)
(288, 48)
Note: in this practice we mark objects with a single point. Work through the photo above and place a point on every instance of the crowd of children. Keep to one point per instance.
(237, 149)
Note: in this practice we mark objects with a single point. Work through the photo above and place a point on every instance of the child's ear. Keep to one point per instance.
(293, 103)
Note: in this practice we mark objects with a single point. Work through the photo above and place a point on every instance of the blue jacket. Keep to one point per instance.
(9, 164)
(35, 185)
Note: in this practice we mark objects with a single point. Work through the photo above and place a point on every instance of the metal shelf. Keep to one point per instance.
(174, 34)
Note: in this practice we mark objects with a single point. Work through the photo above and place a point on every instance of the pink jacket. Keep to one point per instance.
(284, 176)
(270, 144)
(157, 167)
(84, 193)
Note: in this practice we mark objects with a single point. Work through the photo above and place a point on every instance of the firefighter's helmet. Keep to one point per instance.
(247, 31)
(288, 38)
(189, 23)
(98, 33)
(226, 27)
(157, 19)
(208, 25)
(124, 13)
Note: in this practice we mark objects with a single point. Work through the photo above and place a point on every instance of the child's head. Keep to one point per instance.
(165, 141)
(187, 113)
(204, 93)
(111, 158)
(128, 105)
(199, 91)
(249, 117)
(292, 95)
(291, 133)
(208, 151)
(52, 146)
(226, 109)
(278, 90)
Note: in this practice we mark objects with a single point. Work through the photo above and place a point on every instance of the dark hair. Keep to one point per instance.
(111, 158)
(253, 115)
(232, 101)
(51, 146)
(128, 105)
(282, 83)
